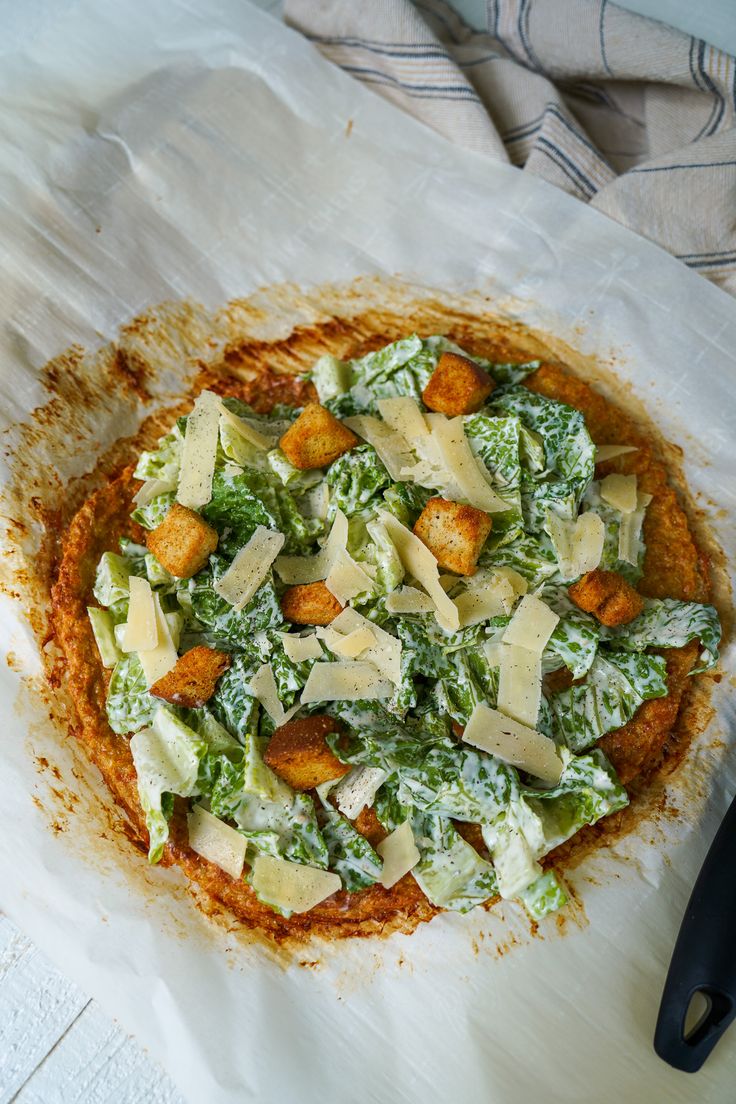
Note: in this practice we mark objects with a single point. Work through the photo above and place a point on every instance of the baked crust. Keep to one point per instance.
(673, 568)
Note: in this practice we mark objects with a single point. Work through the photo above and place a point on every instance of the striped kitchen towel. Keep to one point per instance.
(627, 114)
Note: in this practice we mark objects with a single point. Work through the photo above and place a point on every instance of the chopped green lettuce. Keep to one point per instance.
(129, 705)
(667, 623)
(614, 688)
(166, 758)
(103, 629)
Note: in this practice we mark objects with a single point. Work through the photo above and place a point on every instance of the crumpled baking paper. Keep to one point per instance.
(156, 150)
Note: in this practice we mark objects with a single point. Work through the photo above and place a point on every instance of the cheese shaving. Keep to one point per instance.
(311, 569)
(348, 681)
(352, 645)
(408, 599)
(301, 648)
(629, 531)
(250, 567)
(512, 742)
(419, 562)
(399, 853)
(140, 633)
(199, 452)
(478, 604)
(532, 625)
(392, 448)
(291, 887)
(609, 452)
(520, 684)
(460, 462)
(246, 431)
(578, 544)
(151, 489)
(357, 789)
(158, 661)
(346, 579)
(404, 416)
(384, 652)
(263, 687)
(619, 491)
(216, 841)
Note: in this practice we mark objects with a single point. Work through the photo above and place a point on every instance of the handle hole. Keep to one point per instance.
(705, 1011)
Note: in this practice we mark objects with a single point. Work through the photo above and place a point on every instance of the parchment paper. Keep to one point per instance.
(154, 150)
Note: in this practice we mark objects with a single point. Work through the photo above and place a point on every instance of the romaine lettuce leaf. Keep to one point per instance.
(574, 642)
(450, 872)
(164, 461)
(614, 688)
(166, 758)
(129, 705)
(153, 513)
(350, 854)
(236, 627)
(543, 896)
(667, 623)
(355, 480)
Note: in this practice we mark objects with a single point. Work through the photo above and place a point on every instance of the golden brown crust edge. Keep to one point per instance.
(674, 567)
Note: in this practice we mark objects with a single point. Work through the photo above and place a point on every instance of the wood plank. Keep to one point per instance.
(95, 1062)
(37, 1005)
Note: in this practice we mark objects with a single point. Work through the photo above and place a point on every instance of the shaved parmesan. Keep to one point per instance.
(199, 452)
(140, 633)
(291, 887)
(520, 684)
(349, 681)
(409, 600)
(346, 579)
(518, 583)
(629, 531)
(152, 488)
(357, 789)
(404, 416)
(494, 650)
(419, 562)
(532, 625)
(249, 568)
(216, 841)
(263, 687)
(462, 465)
(392, 447)
(351, 645)
(301, 648)
(251, 435)
(310, 569)
(512, 742)
(384, 652)
(158, 661)
(399, 853)
(315, 502)
(608, 452)
(619, 491)
(578, 544)
(478, 604)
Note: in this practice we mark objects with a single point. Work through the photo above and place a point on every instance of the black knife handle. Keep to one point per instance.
(704, 959)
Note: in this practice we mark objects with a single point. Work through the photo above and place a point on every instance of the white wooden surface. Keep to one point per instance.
(56, 1045)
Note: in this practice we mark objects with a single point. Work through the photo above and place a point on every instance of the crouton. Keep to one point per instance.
(310, 604)
(182, 543)
(608, 596)
(457, 386)
(298, 753)
(316, 438)
(191, 682)
(453, 533)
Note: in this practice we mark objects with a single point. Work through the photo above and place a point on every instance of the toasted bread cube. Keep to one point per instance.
(316, 438)
(298, 753)
(457, 386)
(192, 681)
(182, 543)
(608, 596)
(453, 533)
(310, 604)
